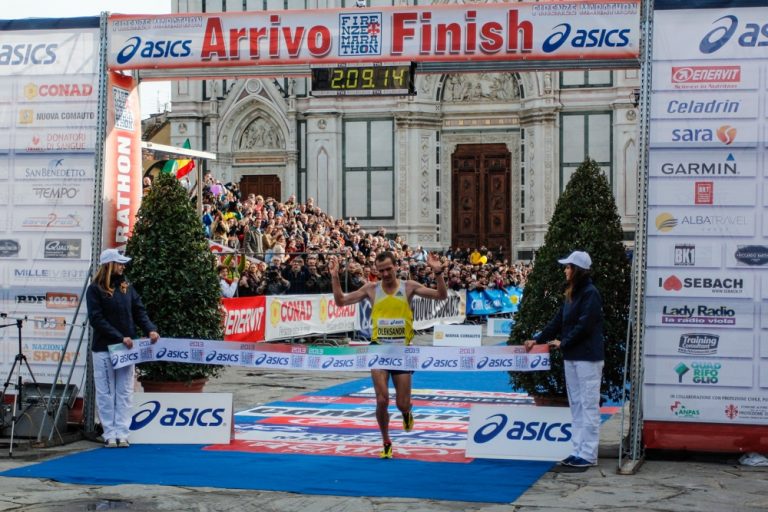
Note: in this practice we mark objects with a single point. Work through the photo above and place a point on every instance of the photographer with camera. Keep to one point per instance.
(274, 283)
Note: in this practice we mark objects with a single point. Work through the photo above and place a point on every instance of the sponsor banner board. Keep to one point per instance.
(181, 418)
(699, 372)
(702, 192)
(428, 312)
(53, 115)
(691, 283)
(62, 89)
(712, 134)
(457, 335)
(299, 315)
(52, 219)
(705, 76)
(737, 406)
(244, 318)
(500, 327)
(54, 141)
(702, 34)
(698, 341)
(50, 52)
(519, 432)
(699, 313)
(667, 252)
(702, 164)
(324, 358)
(573, 31)
(695, 221)
(53, 168)
(21, 273)
(704, 105)
(747, 255)
(57, 193)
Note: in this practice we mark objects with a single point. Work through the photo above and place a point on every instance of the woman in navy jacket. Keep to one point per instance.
(114, 310)
(577, 330)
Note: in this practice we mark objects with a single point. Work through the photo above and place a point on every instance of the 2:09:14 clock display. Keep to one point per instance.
(363, 80)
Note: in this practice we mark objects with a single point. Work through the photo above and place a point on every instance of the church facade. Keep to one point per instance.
(471, 159)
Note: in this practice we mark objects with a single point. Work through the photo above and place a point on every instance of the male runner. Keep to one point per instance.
(392, 322)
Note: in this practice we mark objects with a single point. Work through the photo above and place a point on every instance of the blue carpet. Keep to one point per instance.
(326, 442)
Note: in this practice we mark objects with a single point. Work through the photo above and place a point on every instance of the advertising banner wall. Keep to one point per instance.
(48, 83)
(705, 358)
(573, 32)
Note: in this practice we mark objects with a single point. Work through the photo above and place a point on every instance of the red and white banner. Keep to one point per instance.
(572, 32)
(122, 160)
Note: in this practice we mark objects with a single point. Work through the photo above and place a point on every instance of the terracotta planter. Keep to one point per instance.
(550, 401)
(158, 386)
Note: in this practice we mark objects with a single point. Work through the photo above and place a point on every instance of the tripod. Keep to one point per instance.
(18, 361)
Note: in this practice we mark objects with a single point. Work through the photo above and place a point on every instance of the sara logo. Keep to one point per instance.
(725, 134)
(753, 34)
(164, 353)
(176, 417)
(153, 49)
(522, 431)
(594, 38)
(431, 362)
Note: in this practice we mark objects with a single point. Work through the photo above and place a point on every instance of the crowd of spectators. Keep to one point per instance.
(281, 248)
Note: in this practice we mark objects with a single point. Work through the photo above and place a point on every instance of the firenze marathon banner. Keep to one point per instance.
(48, 118)
(573, 32)
(270, 318)
(706, 358)
(323, 358)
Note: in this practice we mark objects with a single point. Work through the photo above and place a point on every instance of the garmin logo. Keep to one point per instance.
(699, 344)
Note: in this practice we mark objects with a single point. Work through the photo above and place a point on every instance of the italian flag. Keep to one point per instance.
(180, 168)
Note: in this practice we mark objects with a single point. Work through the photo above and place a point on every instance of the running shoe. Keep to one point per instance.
(578, 462)
(567, 461)
(386, 452)
(110, 443)
(408, 421)
(123, 443)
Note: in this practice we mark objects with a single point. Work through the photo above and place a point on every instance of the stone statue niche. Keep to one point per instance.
(261, 134)
(481, 87)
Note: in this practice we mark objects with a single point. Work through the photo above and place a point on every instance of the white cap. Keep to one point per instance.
(112, 256)
(579, 258)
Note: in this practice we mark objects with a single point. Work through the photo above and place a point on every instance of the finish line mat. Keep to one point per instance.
(327, 442)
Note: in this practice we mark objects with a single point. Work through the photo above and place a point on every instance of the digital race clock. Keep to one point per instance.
(364, 79)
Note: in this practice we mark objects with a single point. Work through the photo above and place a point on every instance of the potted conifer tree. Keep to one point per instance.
(174, 272)
(586, 219)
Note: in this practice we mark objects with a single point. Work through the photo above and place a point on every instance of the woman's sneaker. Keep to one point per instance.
(123, 443)
(110, 443)
(567, 461)
(578, 462)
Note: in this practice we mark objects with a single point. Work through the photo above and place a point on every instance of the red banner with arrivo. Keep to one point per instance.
(244, 318)
(122, 161)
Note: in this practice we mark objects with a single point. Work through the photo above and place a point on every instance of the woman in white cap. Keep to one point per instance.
(577, 330)
(114, 310)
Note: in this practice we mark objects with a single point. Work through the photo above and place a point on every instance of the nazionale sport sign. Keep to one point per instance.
(581, 31)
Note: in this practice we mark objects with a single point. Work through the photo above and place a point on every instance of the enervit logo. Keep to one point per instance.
(706, 74)
(753, 255)
(726, 168)
(32, 90)
(698, 344)
(9, 248)
(153, 49)
(665, 222)
(522, 431)
(725, 134)
(176, 417)
(594, 38)
(678, 409)
(753, 35)
(717, 285)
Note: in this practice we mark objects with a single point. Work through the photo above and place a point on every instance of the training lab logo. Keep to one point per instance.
(714, 284)
(701, 168)
(698, 344)
(522, 430)
(726, 134)
(706, 77)
(360, 34)
(752, 255)
(703, 373)
(754, 34)
(680, 410)
(9, 248)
